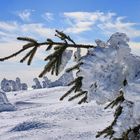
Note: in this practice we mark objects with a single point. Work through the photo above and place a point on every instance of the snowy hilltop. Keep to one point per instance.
(108, 76)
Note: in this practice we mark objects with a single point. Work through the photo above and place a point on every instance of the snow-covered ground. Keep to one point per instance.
(41, 116)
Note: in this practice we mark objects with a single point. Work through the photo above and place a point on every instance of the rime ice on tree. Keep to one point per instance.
(11, 85)
(37, 84)
(20, 86)
(4, 103)
(66, 56)
(66, 78)
(5, 85)
(46, 82)
(104, 71)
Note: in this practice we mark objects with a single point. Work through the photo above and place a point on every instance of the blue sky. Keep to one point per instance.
(15, 11)
(30, 11)
(129, 8)
(83, 20)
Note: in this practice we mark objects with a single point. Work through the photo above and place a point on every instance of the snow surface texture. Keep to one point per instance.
(4, 103)
(41, 116)
(104, 70)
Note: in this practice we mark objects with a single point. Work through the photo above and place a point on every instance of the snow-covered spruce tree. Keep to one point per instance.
(107, 73)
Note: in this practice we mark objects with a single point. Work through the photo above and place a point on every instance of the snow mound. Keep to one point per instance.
(4, 103)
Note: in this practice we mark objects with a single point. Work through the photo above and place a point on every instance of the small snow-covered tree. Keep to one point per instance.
(107, 73)
(5, 105)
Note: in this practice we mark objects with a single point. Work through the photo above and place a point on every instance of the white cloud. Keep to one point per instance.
(9, 31)
(84, 21)
(107, 23)
(8, 41)
(25, 15)
(38, 29)
(8, 26)
(80, 27)
(119, 25)
(88, 16)
(48, 16)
